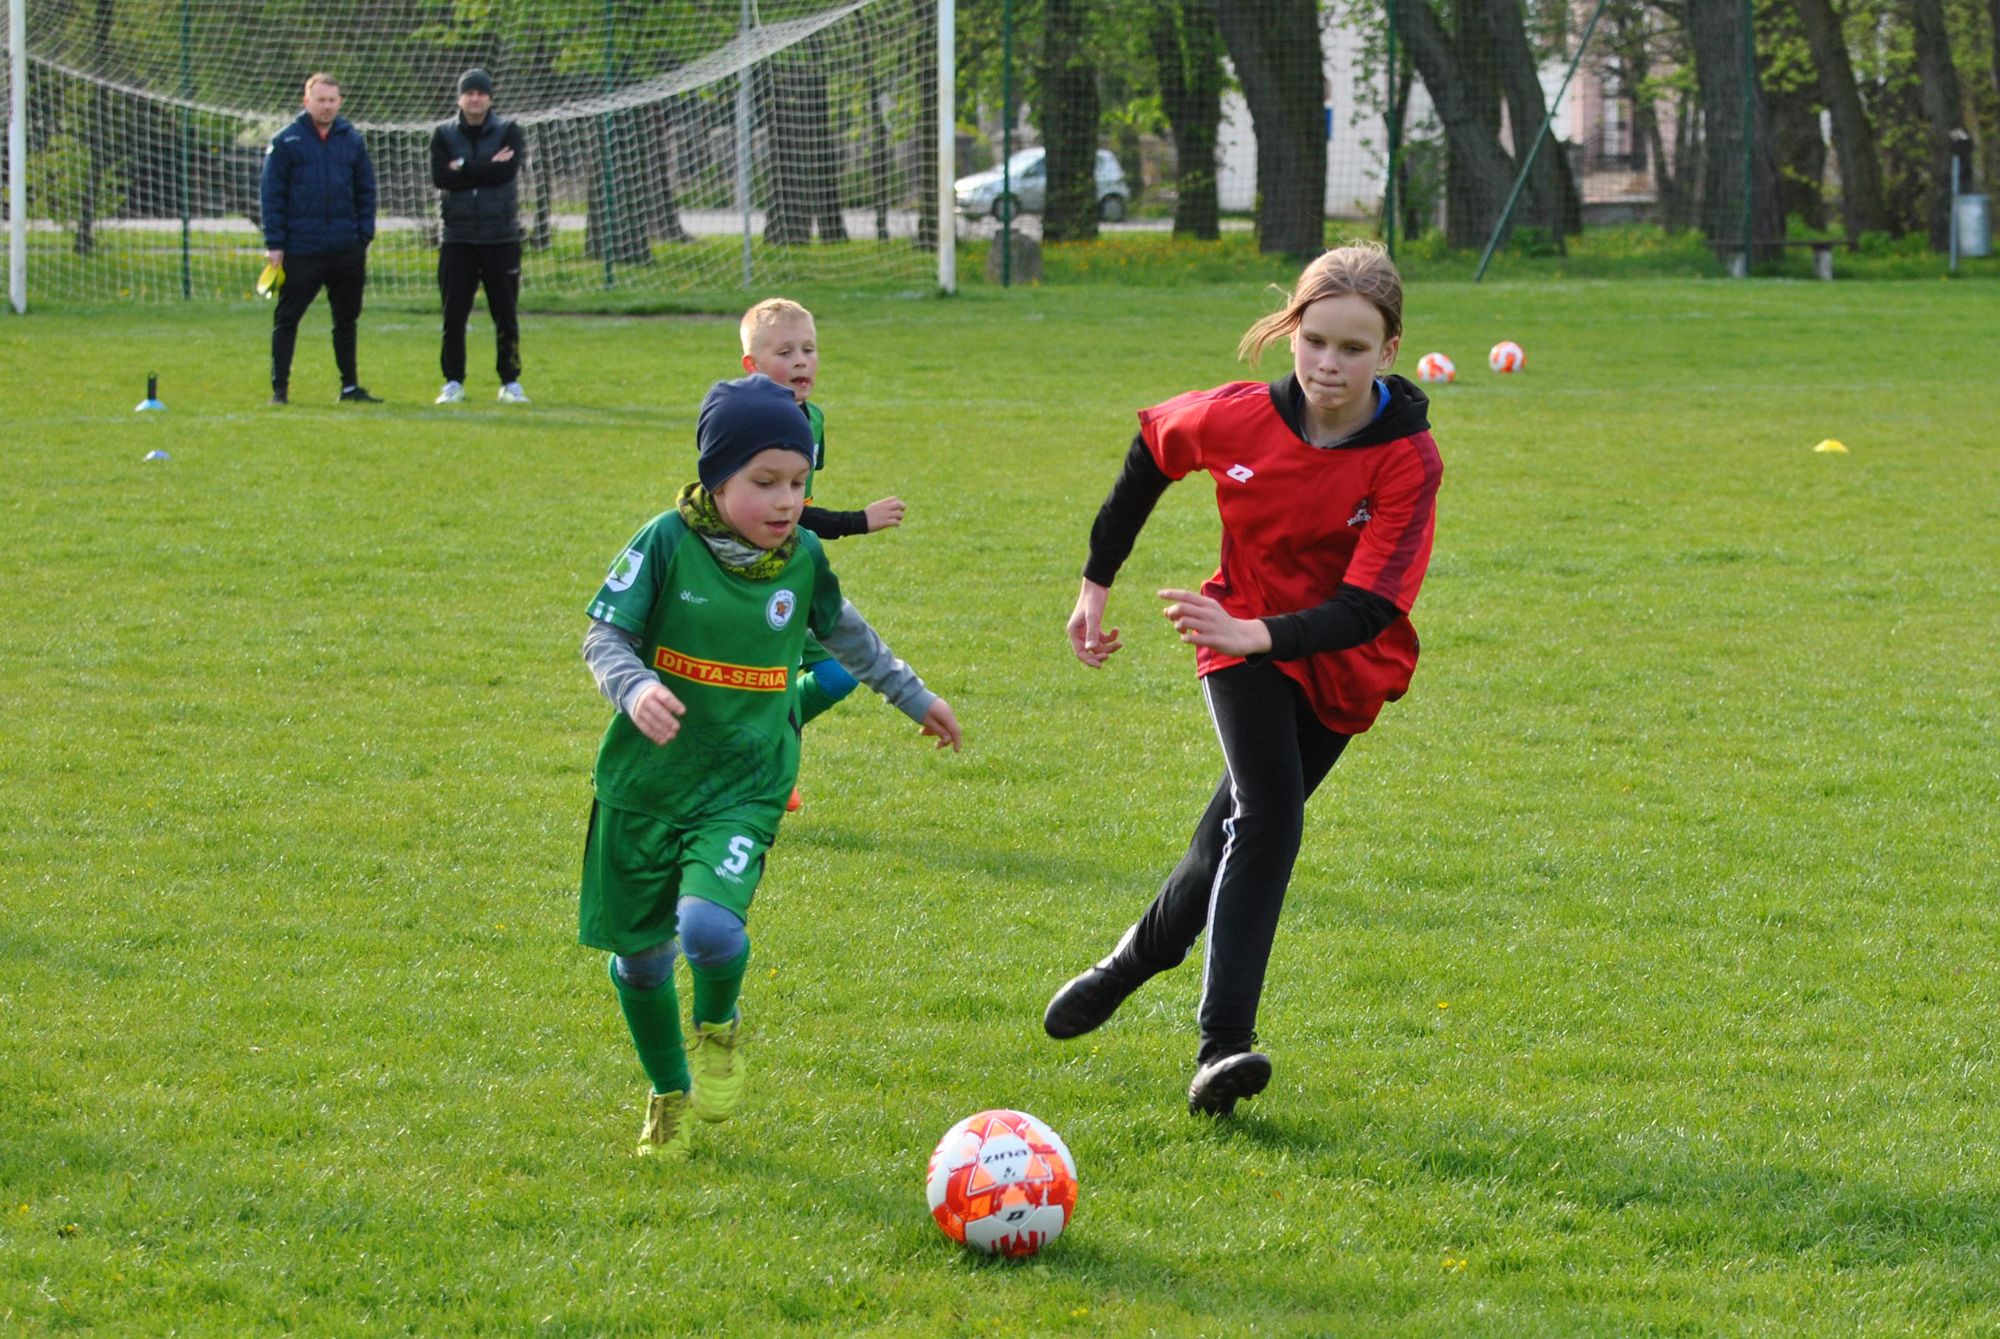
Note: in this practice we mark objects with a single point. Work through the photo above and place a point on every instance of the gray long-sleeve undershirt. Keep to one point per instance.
(613, 656)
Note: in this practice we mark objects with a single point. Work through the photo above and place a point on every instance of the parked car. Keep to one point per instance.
(980, 194)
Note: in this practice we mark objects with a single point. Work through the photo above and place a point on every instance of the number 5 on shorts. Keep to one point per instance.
(740, 851)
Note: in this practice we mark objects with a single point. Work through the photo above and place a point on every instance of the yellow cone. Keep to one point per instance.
(1830, 447)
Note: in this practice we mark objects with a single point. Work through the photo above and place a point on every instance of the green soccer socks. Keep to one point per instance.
(654, 1016)
(716, 988)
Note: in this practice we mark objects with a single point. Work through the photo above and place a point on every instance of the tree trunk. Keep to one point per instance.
(1187, 49)
(1854, 142)
(1395, 133)
(1551, 185)
(543, 235)
(1275, 47)
(96, 144)
(805, 162)
(666, 128)
(1478, 173)
(1682, 195)
(614, 226)
(1716, 28)
(1801, 155)
(1937, 82)
(1068, 80)
(1990, 139)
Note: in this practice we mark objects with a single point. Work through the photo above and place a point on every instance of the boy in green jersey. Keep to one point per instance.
(781, 341)
(694, 637)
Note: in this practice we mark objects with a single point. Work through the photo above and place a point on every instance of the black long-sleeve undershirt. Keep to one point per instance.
(1351, 618)
(834, 524)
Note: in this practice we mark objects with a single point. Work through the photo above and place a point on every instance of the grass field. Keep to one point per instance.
(1639, 976)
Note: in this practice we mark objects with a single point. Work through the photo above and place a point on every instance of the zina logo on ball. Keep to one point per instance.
(1001, 1182)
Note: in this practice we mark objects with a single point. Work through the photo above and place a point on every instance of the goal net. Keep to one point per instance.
(673, 149)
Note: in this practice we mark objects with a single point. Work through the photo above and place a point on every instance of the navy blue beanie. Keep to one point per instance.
(742, 417)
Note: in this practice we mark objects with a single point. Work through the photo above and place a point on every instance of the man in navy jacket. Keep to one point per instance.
(319, 217)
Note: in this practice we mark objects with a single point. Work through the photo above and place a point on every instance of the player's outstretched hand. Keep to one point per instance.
(1202, 622)
(940, 724)
(1088, 638)
(884, 515)
(657, 713)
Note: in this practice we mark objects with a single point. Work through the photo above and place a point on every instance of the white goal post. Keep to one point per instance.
(675, 151)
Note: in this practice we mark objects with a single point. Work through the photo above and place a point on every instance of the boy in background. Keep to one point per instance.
(781, 341)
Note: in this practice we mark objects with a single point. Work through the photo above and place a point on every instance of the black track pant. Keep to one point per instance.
(1231, 883)
(343, 275)
(462, 267)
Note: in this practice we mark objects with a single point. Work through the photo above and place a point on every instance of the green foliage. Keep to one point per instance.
(1635, 977)
(1530, 240)
(59, 179)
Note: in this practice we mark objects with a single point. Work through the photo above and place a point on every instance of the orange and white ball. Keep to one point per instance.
(1506, 357)
(1002, 1183)
(1436, 367)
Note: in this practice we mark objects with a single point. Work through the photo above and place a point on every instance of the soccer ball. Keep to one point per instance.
(1436, 367)
(1506, 357)
(1001, 1183)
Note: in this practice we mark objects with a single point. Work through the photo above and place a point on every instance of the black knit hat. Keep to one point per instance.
(476, 80)
(742, 417)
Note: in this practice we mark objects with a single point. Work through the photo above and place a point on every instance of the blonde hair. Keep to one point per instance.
(770, 312)
(312, 79)
(1359, 269)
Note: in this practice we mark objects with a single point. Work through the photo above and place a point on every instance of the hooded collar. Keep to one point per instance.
(1405, 415)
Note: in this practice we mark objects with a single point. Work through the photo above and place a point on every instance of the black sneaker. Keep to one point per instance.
(1086, 1001)
(357, 395)
(279, 397)
(1220, 1083)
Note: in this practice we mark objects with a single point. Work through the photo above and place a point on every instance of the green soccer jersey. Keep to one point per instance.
(726, 646)
(816, 417)
(813, 651)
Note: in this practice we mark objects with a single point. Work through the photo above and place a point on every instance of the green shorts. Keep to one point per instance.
(636, 867)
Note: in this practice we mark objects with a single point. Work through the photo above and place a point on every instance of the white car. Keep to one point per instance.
(979, 195)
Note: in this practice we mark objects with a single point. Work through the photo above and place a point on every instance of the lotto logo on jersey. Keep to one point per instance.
(1242, 474)
(779, 611)
(625, 571)
(720, 673)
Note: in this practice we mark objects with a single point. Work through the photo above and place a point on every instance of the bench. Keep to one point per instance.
(1822, 250)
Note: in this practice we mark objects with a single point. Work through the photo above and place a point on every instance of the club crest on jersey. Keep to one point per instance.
(779, 610)
(625, 571)
(1360, 516)
(1240, 473)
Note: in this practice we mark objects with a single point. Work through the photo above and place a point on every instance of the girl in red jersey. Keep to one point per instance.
(1325, 480)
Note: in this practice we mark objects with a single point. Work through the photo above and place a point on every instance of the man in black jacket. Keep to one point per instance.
(475, 158)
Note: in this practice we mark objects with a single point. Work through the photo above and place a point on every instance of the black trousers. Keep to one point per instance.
(343, 275)
(1231, 883)
(462, 267)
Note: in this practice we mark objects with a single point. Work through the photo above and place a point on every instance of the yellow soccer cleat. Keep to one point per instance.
(668, 1131)
(716, 1059)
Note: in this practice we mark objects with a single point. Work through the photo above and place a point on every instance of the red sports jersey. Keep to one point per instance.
(1297, 521)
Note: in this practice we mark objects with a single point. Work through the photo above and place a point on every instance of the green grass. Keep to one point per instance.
(1638, 976)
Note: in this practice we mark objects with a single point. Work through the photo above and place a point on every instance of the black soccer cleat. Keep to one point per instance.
(1218, 1084)
(1085, 1002)
(358, 395)
(279, 397)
